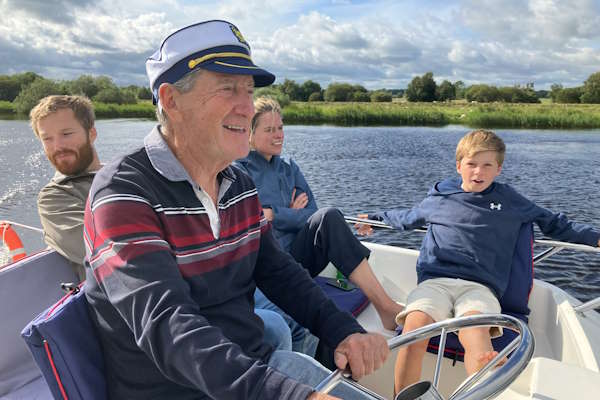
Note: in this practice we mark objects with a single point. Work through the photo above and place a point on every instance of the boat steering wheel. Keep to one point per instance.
(521, 347)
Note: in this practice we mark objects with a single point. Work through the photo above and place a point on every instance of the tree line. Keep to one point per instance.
(24, 90)
(424, 88)
(310, 91)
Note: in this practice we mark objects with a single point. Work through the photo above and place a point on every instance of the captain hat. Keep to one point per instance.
(215, 45)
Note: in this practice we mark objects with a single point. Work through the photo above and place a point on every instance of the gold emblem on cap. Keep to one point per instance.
(238, 35)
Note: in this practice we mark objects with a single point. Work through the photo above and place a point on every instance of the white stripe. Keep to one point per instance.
(110, 251)
(183, 211)
(212, 249)
(238, 198)
(171, 210)
(118, 197)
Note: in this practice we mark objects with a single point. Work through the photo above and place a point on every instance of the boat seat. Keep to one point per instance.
(514, 302)
(26, 286)
(351, 299)
(67, 350)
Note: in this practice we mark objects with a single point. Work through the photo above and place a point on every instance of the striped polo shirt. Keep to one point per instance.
(173, 299)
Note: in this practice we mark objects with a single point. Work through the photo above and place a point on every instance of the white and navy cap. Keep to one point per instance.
(212, 45)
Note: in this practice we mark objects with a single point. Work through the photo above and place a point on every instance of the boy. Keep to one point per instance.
(464, 261)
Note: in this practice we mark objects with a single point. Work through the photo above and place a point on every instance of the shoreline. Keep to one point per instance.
(472, 115)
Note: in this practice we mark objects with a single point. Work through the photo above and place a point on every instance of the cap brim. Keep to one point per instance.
(240, 66)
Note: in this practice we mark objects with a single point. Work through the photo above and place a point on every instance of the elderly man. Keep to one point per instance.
(65, 126)
(177, 244)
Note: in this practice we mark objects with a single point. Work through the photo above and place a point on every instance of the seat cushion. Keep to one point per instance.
(66, 348)
(346, 296)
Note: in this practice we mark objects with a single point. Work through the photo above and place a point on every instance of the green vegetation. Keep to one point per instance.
(143, 109)
(6, 107)
(424, 102)
(25, 90)
(362, 114)
(475, 115)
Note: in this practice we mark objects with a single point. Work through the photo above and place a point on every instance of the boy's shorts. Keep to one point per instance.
(443, 298)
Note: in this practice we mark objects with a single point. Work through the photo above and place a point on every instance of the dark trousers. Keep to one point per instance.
(326, 238)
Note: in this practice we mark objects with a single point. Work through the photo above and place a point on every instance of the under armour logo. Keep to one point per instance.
(494, 206)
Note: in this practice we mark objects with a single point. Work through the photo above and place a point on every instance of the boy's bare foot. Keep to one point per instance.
(388, 315)
(486, 357)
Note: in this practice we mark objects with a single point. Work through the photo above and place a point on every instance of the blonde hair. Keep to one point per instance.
(263, 105)
(480, 140)
(82, 108)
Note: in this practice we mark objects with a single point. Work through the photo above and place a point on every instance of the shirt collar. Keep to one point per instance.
(61, 178)
(255, 155)
(164, 161)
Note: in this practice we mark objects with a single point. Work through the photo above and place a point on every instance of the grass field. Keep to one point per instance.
(482, 115)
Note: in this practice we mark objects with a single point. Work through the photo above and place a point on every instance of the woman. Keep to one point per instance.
(314, 237)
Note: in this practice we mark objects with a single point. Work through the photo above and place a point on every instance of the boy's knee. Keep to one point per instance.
(416, 319)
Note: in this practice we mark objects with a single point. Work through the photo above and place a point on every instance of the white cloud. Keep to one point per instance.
(381, 43)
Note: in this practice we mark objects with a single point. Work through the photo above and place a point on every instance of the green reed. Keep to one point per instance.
(473, 115)
(361, 114)
(139, 110)
(493, 115)
(6, 107)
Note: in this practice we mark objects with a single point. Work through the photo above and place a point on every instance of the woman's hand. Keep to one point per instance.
(268, 214)
(298, 202)
(363, 229)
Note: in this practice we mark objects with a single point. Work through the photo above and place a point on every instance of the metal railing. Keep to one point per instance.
(554, 246)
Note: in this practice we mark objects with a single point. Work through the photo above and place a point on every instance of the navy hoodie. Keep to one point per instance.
(472, 235)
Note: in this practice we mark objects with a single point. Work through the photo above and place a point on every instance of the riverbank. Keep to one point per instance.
(488, 115)
(482, 115)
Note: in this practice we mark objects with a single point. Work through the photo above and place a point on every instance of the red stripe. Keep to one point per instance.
(242, 226)
(223, 260)
(244, 234)
(125, 217)
(56, 376)
(436, 348)
(102, 272)
(127, 229)
(120, 259)
(58, 303)
(360, 308)
(186, 230)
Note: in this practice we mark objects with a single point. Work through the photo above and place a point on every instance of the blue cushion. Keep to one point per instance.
(64, 344)
(351, 300)
(514, 302)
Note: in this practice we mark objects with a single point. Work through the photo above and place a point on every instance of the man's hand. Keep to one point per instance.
(298, 202)
(363, 229)
(599, 243)
(268, 214)
(362, 352)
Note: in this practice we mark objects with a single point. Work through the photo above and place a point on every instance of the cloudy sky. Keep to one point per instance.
(374, 43)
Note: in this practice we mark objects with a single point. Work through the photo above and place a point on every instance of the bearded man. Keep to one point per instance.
(65, 127)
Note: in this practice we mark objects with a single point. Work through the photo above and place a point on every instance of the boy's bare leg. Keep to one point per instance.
(478, 347)
(409, 360)
(387, 308)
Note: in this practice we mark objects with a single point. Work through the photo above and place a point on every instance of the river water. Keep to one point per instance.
(368, 169)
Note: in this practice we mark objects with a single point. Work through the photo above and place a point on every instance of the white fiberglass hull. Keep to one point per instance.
(566, 360)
